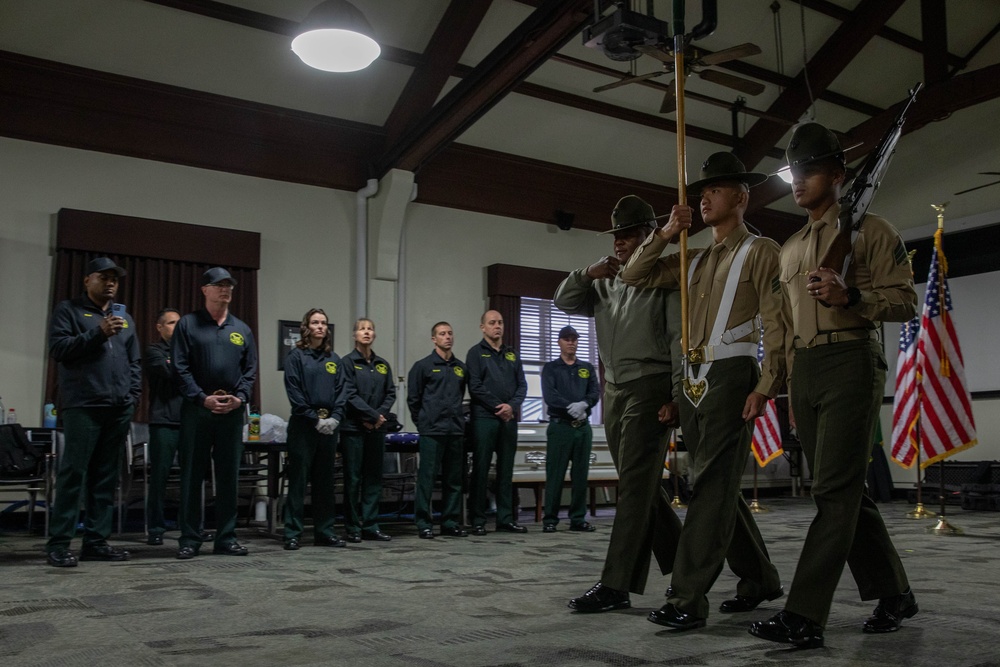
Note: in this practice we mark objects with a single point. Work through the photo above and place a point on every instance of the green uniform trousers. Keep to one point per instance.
(719, 525)
(163, 440)
(493, 435)
(836, 395)
(88, 467)
(444, 454)
(207, 438)
(362, 454)
(565, 444)
(644, 521)
(311, 460)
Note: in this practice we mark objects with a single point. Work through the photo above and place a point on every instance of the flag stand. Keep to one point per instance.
(919, 512)
(755, 504)
(942, 527)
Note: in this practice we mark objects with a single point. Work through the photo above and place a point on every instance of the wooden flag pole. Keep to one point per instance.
(681, 176)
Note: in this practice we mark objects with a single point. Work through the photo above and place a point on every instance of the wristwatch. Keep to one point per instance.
(853, 296)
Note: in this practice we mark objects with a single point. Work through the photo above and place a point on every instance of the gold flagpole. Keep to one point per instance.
(919, 512)
(755, 504)
(675, 473)
(942, 527)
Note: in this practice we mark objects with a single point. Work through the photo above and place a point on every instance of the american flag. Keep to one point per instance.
(906, 404)
(766, 443)
(946, 424)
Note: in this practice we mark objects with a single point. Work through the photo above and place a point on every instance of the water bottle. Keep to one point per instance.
(254, 429)
(11, 416)
(49, 416)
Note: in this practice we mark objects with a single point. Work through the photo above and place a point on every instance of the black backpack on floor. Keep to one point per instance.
(17, 457)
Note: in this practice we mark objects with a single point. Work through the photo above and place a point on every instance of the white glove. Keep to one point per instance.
(577, 410)
(327, 426)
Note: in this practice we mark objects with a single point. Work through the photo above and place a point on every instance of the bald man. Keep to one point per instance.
(497, 387)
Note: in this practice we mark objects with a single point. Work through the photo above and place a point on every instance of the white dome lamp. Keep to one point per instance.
(336, 37)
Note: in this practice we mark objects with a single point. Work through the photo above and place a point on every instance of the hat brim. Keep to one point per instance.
(751, 178)
(622, 228)
(816, 158)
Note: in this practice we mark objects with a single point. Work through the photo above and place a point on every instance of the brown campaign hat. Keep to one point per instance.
(812, 142)
(724, 166)
(631, 211)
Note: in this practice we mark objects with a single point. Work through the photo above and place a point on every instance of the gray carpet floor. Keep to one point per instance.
(493, 600)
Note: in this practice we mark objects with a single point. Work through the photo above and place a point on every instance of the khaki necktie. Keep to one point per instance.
(701, 302)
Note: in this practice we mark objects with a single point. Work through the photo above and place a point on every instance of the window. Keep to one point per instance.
(538, 335)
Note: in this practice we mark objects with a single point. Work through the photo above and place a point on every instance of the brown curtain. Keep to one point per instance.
(164, 260)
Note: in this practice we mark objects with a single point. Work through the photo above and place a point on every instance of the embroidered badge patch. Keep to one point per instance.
(236, 338)
(510, 356)
(382, 368)
(331, 367)
(584, 373)
(459, 372)
(899, 252)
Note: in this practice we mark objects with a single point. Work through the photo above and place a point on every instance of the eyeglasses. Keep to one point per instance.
(222, 285)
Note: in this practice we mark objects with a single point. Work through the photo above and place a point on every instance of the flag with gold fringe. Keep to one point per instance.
(946, 423)
(766, 442)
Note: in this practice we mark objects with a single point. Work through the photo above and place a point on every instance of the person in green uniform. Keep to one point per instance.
(317, 387)
(100, 379)
(362, 434)
(570, 390)
(836, 375)
(732, 284)
(497, 388)
(164, 421)
(636, 331)
(215, 359)
(435, 388)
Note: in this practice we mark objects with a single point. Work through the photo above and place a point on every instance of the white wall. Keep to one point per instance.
(306, 253)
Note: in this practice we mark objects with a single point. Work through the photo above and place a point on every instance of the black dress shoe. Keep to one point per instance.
(890, 612)
(512, 527)
(231, 549)
(672, 617)
(454, 531)
(292, 545)
(549, 528)
(186, 553)
(479, 530)
(353, 538)
(103, 552)
(583, 527)
(742, 603)
(789, 628)
(376, 535)
(426, 534)
(329, 541)
(600, 598)
(155, 540)
(61, 558)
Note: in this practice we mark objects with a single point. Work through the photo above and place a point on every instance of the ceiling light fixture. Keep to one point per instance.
(336, 37)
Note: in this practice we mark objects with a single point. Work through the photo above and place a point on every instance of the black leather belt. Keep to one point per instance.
(575, 423)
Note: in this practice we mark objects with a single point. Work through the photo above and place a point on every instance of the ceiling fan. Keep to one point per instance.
(982, 173)
(695, 62)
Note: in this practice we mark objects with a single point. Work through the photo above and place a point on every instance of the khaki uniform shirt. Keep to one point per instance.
(758, 291)
(878, 268)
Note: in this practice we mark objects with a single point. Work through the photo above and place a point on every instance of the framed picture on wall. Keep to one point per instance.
(288, 336)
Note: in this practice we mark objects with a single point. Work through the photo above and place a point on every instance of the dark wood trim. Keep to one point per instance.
(828, 62)
(109, 233)
(522, 281)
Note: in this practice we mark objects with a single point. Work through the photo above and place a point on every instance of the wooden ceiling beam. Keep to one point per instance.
(828, 62)
(912, 43)
(533, 42)
(936, 102)
(450, 39)
(934, 25)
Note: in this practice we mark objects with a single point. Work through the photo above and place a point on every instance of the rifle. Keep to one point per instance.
(854, 204)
